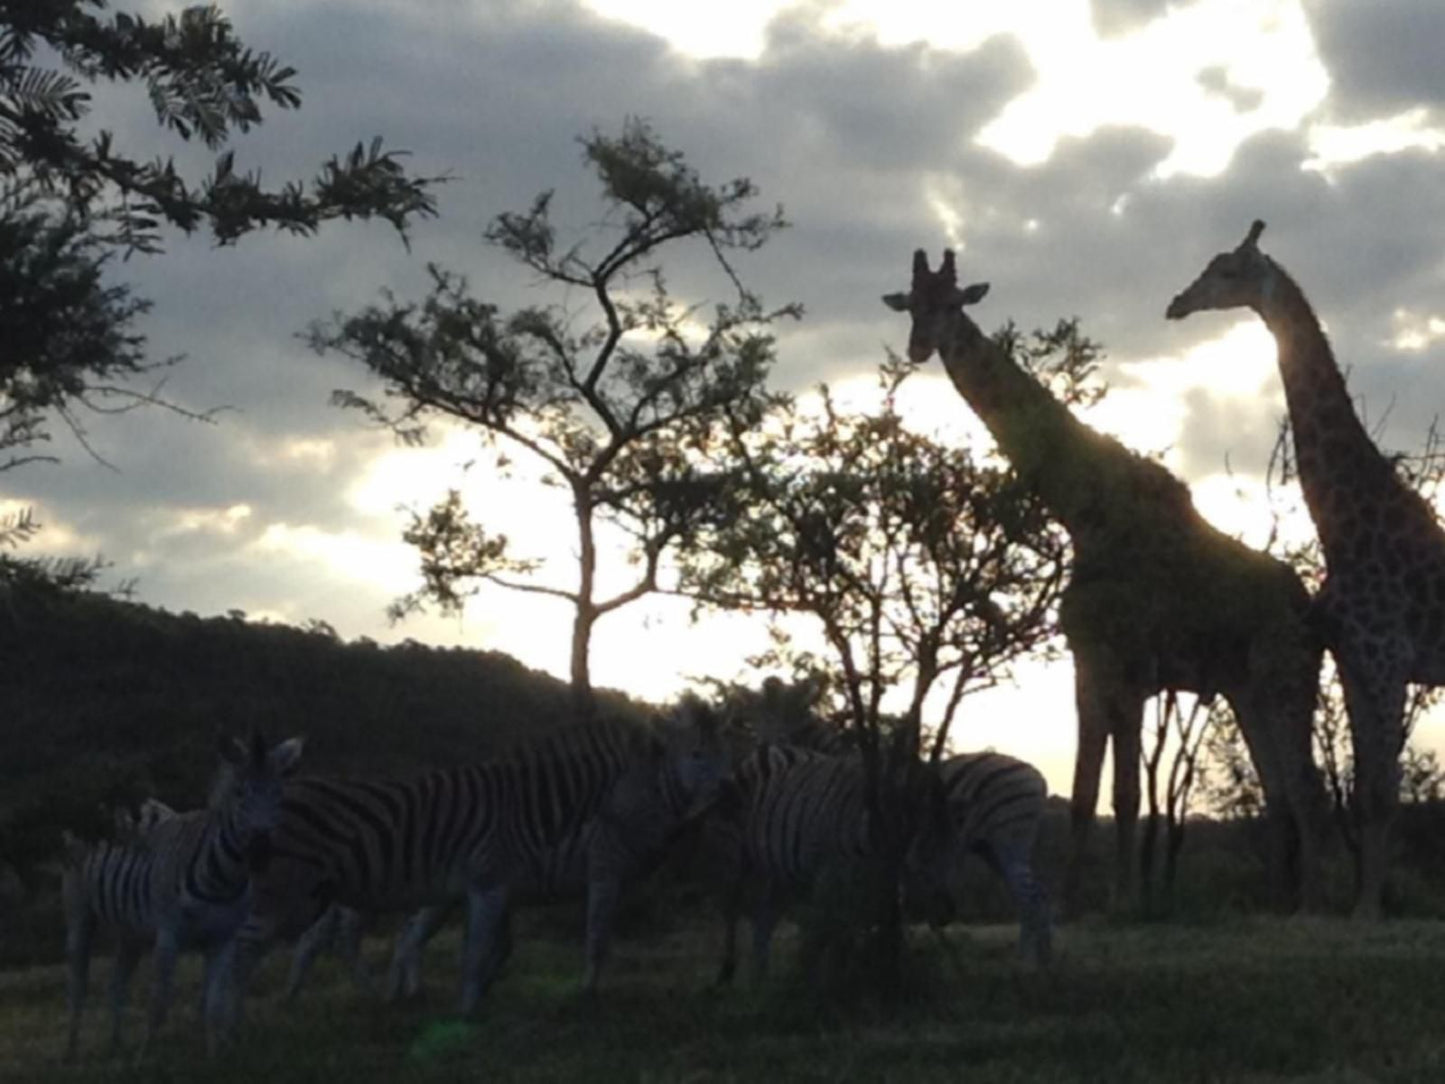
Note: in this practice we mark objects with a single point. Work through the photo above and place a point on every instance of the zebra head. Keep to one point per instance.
(251, 790)
(695, 754)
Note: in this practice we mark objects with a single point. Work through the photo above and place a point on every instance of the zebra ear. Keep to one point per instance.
(283, 757)
(232, 750)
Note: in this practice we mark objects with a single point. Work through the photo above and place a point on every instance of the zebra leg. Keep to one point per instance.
(404, 975)
(765, 920)
(318, 936)
(215, 993)
(128, 952)
(486, 915)
(162, 984)
(602, 896)
(730, 943)
(1035, 925)
(80, 930)
(352, 927)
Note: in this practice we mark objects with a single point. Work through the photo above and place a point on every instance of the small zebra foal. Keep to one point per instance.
(183, 883)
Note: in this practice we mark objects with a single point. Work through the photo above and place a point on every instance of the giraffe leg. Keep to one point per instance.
(1127, 746)
(1375, 700)
(1109, 706)
(1088, 767)
(1281, 859)
(1276, 714)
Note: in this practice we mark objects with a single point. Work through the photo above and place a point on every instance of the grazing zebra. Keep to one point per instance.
(802, 816)
(993, 804)
(184, 883)
(583, 808)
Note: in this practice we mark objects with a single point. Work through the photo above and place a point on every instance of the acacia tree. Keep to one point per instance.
(920, 564)
(923, 567)
(71, 201)
(625, 413)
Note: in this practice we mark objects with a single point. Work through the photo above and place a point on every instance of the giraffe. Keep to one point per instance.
(1382, 607)
(1157, 599)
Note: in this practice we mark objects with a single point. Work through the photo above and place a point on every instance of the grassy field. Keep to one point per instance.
(1253, 1000)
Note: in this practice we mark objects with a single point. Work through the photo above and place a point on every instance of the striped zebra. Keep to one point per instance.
(801, 820)
(183, 883)
(993, 804)
(580, 809)
(338, 927)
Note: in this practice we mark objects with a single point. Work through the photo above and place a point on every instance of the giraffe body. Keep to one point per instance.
(1158, 599)
(1382, 606)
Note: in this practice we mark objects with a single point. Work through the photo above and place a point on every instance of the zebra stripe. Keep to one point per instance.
(802, 814)
(583, 808)
(183, 883)
(994, 803)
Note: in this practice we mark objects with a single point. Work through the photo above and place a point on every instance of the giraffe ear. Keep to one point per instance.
(897, 302)
(972, 295)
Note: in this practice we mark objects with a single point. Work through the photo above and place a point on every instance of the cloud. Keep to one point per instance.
(1383, 57)
(874, 149)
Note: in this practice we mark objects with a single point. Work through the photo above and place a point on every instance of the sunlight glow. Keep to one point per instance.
(1416, 332)
(1217, 71)
(1336, 145)
(219, 521)
(346, 554)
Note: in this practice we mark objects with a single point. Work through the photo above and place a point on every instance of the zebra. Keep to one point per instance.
(184, 882)
(338, 926)
(993, 803)
(802, 816)
(581, 808)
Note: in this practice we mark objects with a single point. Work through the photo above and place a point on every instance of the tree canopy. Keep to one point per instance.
(623, 401)
(72, 199)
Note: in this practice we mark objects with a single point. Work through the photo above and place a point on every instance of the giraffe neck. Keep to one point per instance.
(1336, 458)
(1081, 475)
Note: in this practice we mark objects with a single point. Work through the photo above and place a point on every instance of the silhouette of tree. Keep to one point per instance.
(625, 413)
(72, 199)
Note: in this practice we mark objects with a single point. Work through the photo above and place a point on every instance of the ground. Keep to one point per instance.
(1253, 1000)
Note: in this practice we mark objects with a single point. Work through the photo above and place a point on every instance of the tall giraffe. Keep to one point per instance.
(1158, 599)
(1382, 607)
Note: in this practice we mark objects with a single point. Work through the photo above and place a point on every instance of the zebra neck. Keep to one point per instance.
(217, 874)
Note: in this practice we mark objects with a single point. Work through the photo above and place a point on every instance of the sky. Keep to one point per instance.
(1086, 158)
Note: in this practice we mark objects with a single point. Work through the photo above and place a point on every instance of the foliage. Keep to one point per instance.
(622, 413)
(919, 563)
(107, 701)
(72, 198)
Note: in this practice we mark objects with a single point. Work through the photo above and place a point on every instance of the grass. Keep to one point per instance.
(1250, 1000)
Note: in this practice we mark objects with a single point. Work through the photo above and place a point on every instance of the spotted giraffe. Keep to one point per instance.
(1157, 598)
(1382, 606)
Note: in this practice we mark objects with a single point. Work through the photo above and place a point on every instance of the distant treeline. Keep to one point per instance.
(104, 701)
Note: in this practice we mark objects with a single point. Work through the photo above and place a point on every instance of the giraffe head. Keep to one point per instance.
(1243, 278)
(935, 302)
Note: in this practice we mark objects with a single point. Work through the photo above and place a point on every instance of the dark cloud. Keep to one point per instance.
(1383, 56)
(862, 143)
